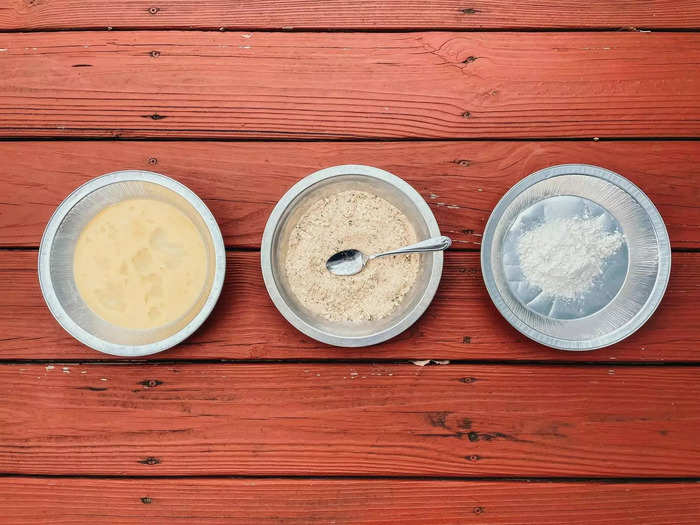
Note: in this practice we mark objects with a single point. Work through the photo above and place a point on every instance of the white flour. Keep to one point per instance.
(564, 256)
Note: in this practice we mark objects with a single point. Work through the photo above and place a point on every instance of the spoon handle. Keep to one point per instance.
(434, 244)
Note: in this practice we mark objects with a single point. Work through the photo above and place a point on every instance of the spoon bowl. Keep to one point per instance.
(351, 262)
(346, 262)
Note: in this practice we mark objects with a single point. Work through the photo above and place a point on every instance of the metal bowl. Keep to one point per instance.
(296, 202)
(633, 281)
(58, 246)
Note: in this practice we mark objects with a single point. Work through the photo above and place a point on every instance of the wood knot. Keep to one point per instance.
(468, 60)
(466, 340)
(153, 161)
(473, 436)
(464, 162)
(153, 10)
(146, 500)
(155, 54)
(466, 114)
(478, 510)
(149, 461)
(469, 11)
(438, 419)
(473, 458)
(156, 116)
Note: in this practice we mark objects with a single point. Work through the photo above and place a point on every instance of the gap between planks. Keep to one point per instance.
(407, 30)
(154, 362)
(343, 140)
(252, 249)
(480, 479)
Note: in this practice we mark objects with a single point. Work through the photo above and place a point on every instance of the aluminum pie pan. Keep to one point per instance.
(647, 249)
(127, 181)
(379, 181)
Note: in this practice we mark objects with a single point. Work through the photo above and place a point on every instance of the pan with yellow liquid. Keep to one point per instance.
(131, 263)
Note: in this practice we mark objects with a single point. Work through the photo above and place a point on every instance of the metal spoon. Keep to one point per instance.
(350, 262)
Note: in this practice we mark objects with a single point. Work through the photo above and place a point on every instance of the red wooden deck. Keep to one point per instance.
(249, 421)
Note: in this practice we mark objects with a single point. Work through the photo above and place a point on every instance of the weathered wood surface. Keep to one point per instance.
(349, 85)
(461, 323)
(347, 14)
(241, 182)
(349, 419)
(347, 501)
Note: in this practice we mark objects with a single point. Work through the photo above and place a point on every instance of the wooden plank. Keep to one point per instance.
(347, 14)
(241, 182)
(350, 419)
(462, 323)
(308, 501)
(349, 85)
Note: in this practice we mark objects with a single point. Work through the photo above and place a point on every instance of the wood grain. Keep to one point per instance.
(241, 182)
(461, 323)
(349, 419)
(349, 85)
(347, 501)
(346, 14)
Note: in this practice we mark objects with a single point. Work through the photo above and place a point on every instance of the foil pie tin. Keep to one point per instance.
(633, 280)
(58, 246)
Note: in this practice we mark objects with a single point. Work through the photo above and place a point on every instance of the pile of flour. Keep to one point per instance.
(563, 257)
(351, 219)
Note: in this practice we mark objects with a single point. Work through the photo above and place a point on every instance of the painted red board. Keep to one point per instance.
(349, 85)
(350, 419)
(348, 501)
(347, 14)
(461, 323)
(241, 182)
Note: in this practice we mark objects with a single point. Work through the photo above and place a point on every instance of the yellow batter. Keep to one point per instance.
(140, 263)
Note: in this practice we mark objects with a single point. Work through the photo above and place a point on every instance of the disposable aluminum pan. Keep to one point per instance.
(297, 201)
(633, 281)
(58, 246)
